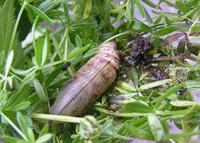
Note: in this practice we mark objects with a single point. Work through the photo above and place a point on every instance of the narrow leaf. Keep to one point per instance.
(130, 10)
(44, 130)
(88, 8)
(40, 13)
(150, 3)
(168, 30)
(140, 7)
(78, 52)
(23, 123)
(44, 138)
(45, 49)
(179, 103)
(155, 84)
(8, 63)
(137, 107)
(196, 28)
(193, 85)
(156, 128)
(139, 26)
(40, 91)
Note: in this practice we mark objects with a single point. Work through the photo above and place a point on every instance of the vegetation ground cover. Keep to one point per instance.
(44, 43)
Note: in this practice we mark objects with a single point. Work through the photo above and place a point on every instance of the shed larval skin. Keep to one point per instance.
(89, 83)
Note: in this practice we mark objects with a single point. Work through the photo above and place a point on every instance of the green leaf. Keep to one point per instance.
(122, 90)
(158, 19)
(2, 2)
(140, 7)
(66, 12)
(166, 20)
(38, 48)
(196, 28)
(118, 9)
(90, 53)
(15, 102)
(37, 44)
(9, 139)
(23, 72)
(155, 84)
(137, 132)
(156, 128)
(156, 42)
(129, 10)
(88, 8)
(78, 51)
(134, 76)
(168, 30)
(170, 91)
(139, 26)
(137, 107)
(40, 91)
(40, 13)
(46, 48)
(23, 123)
(51, 76)
(44, 138)
(182, 103)
(44, 130)
(13, 126)
(6, 26)
(150, 3)
(127, 87)
(20, 106)
(31, 135)
(8, 63)
(185, 16)
(181, 6)
(82, 25)
(196, 67)
(78, 41)
(49, 4)
(193, 85)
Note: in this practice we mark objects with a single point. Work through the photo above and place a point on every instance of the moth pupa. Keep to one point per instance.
(89, 83)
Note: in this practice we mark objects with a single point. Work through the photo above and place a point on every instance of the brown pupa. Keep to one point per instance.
(89, 83)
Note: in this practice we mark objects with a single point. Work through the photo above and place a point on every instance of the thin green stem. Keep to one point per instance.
(51, 64)
(115, 36)
(16, 25)
(58, 118)
(172, 113)
(127, 115)
(65, 38)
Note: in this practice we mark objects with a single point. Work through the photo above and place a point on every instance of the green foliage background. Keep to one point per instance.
(68, 33)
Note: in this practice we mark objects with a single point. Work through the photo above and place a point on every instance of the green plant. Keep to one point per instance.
(63, 36)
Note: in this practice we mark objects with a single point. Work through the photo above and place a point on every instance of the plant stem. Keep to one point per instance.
(115, 36)
(16, 25)
(127, 115)
(58, 118)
